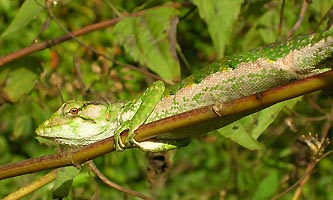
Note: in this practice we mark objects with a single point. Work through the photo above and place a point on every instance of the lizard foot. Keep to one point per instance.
(118, 143)
(161, 145)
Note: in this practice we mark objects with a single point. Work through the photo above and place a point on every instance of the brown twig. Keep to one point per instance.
(105, 180)
(49, 43)
(281, 17)
(328, 124)
(323, 18)
(300, 18)
(306, 117)
(309, 170)
(143, 71)
(52, 42)
(305, 179)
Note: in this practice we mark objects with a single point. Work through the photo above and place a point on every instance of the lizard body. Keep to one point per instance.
(230, 78)
(245, 74)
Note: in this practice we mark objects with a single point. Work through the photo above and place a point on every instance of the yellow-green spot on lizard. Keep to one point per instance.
(81, 123)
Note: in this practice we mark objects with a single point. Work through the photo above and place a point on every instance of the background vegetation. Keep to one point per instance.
(104, 64)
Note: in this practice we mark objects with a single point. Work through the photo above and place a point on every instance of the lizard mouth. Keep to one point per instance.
(72, 141)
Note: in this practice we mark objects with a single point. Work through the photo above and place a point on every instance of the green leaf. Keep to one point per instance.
(220, 16)
(238, 133)
(28, 11)
(151, 39)
(246, 131)
(64, 181)
(268, 186)
(261, 31)
(4, 146)
(18, 78)
(22, 125)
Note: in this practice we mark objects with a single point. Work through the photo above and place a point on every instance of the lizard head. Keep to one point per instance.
(80, 123)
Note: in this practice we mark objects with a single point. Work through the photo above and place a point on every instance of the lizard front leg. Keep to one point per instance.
(147, 103)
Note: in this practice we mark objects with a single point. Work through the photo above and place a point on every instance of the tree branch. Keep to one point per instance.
(183, 125)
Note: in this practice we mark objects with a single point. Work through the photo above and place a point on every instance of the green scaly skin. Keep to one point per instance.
(227, 79)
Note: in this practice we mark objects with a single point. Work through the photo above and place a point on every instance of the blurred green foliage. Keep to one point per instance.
(211, 167)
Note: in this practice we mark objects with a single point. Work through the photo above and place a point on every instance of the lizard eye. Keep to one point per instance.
(74, 111)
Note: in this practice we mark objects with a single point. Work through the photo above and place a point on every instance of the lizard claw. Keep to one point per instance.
(119, 145)
(130, 139)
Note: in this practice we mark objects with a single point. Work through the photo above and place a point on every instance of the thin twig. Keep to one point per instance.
(281, 17)
(286, 191)
(316, 159)
(328, 124)
(23, 191)
(113, 8)
(105, 180)
(313, 103)
(145, 72)
(300, 18)
(303, 180)
(306, 117)
(323, 18)
(49, 43)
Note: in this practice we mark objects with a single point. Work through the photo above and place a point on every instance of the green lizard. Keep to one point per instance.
(84, 122)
